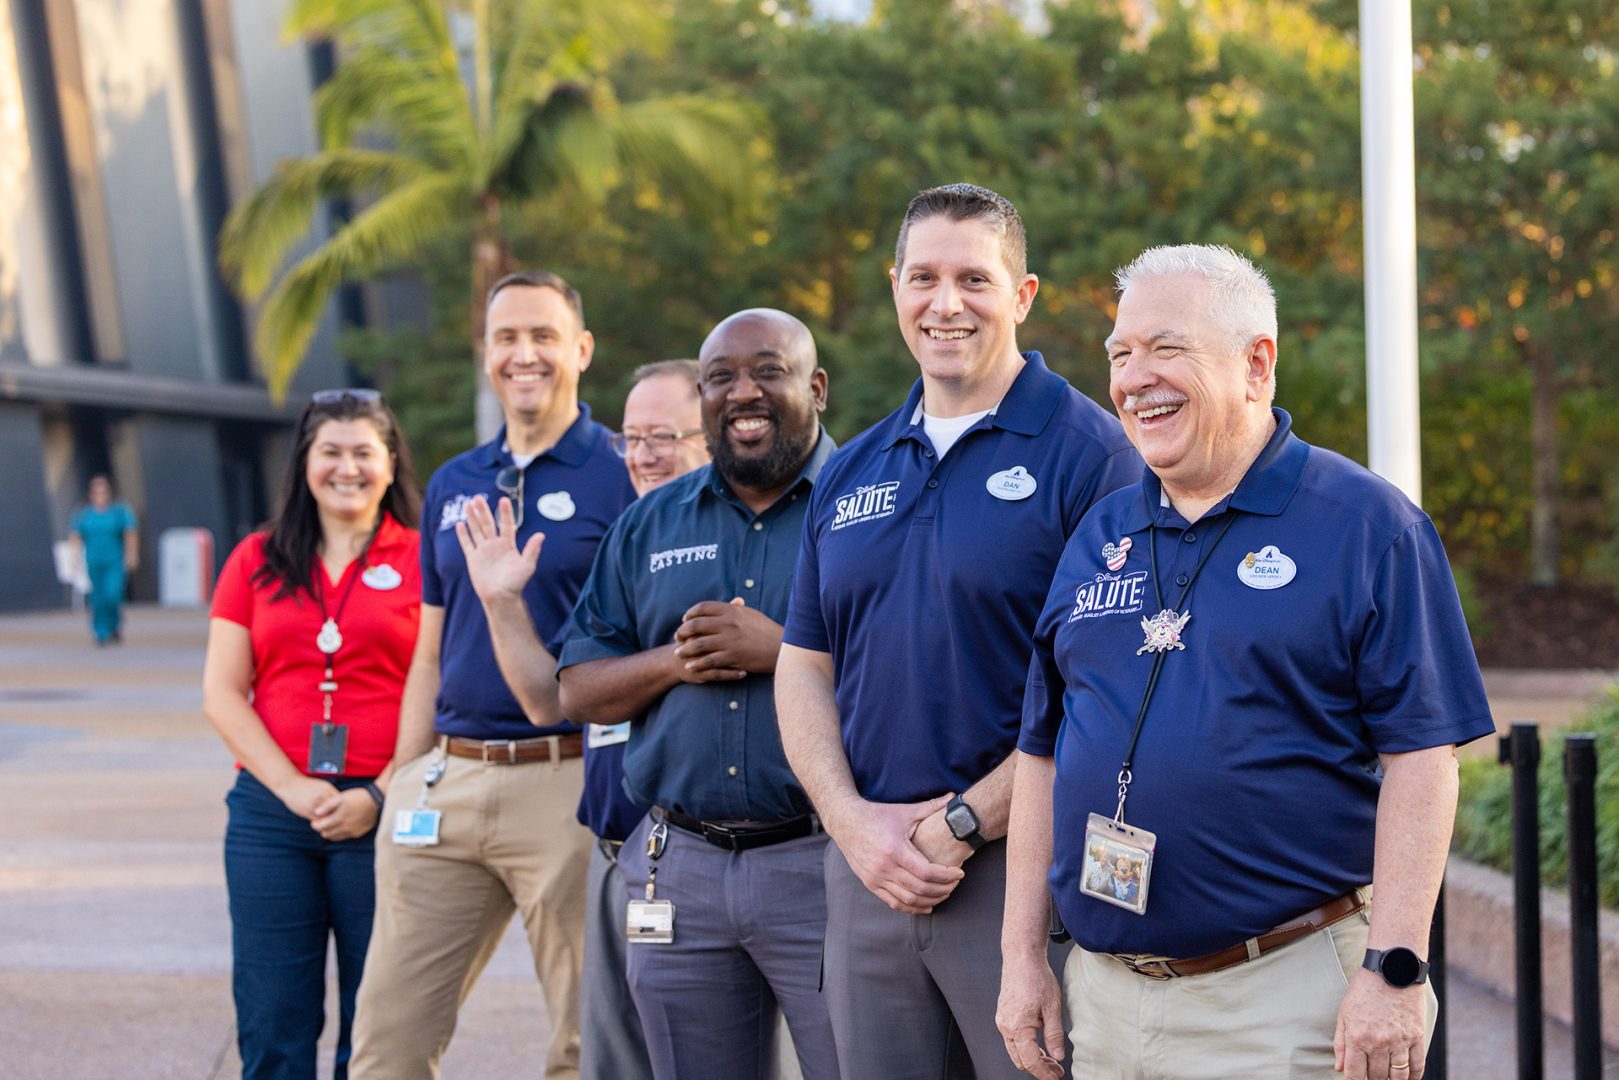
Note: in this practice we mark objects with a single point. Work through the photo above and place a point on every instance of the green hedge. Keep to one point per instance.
(1484, 813)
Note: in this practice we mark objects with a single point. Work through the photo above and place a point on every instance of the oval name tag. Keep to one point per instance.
(556, 506)
(1012, 484)
(1266, 569)
(382, 577)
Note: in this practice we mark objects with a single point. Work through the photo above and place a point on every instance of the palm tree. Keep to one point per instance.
(433, 149)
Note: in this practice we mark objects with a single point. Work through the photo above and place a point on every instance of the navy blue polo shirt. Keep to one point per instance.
(923, 578)
(572, 493)
(1324, 629)
(711, 750)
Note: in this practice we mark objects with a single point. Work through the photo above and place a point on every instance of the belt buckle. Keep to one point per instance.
(510, 757)
(1155, 968)
(720, 836)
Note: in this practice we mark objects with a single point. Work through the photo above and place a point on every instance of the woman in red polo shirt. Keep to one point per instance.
(314, 621)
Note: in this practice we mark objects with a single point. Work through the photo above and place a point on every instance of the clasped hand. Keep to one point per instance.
(717, 642)
(892, 849)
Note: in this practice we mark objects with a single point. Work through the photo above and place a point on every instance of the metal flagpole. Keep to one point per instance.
(1388, 181)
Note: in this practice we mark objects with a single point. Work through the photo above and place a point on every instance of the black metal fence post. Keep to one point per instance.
(1521, 749)
(1580, 769)
(1438, 1049)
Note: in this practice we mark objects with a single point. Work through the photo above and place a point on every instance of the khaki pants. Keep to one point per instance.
(508, 841)
(1271, 1018)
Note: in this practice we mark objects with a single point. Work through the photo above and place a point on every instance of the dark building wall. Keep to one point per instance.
(27, 574)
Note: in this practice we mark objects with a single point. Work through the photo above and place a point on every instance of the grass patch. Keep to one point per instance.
(1484, 811)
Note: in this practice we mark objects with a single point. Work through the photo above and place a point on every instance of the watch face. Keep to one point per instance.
(961, 821)
(1401, 967)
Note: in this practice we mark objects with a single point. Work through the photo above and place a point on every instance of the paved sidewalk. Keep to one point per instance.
(114, 940)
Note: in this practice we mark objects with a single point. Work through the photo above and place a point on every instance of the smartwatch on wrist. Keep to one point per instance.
(1399, 966)
(963, 823)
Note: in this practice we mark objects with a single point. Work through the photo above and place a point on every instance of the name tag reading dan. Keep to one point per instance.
(601, 735)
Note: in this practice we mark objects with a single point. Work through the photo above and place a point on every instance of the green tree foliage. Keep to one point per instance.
(437, 146)
(1484, 811)
(1518, 155)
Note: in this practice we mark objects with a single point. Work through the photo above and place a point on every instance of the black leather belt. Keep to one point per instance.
(745, 837)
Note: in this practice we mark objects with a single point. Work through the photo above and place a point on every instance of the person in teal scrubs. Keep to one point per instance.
(105, 534)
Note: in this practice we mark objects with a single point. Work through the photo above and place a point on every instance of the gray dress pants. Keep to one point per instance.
(912, 997)
(747, 948)
(611, 1046)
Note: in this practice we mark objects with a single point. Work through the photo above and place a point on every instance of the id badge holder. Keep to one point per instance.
(1118, 863)
(328, 748)
(601, 735)
(418, 826)
(651, 921)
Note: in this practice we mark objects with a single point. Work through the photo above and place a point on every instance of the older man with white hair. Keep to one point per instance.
(1249, 680)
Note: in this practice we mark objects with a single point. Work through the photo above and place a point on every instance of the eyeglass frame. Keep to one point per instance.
(512, 491)
(623, 445)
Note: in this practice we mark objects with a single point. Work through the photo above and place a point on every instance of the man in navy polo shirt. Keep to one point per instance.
(1252, 670)
(480, 818)
(678, 630)
(928, 549)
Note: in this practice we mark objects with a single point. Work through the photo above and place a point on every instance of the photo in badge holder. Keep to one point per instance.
(1118, 863)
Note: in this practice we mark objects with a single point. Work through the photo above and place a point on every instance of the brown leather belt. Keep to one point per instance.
(516, 751)
(1160, 967)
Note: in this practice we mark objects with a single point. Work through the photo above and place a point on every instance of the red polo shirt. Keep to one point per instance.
(378, 625)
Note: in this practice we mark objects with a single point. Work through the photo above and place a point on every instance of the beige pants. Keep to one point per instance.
(508, 841)
(1271, 1018)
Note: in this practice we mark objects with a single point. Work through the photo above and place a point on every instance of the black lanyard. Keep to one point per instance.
(1125, 775)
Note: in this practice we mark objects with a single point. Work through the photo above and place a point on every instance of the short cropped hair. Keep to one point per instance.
(1241, 297)
(680, 369)
(969, 202)
(540, 279)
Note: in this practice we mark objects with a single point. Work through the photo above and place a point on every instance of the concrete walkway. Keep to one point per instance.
(114, 939)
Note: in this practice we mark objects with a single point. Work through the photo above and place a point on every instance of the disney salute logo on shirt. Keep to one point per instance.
(453, 511)
(662, 560)
(866, 503)
(1110, 594)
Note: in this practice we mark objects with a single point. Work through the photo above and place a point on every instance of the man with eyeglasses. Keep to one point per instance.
(480, 816)
(677, 631)
(663, 423)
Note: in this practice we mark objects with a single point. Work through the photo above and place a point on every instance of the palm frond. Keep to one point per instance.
(413, 28)
(260, 230)
(391, 231)
(416, 105)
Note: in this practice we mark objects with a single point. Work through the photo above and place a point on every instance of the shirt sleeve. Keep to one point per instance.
(1042, 701)
(1118, 469)
(806, 624)
(131, 522)
(432, 592)
(603, 623)
(1417, 675)
(233, 593)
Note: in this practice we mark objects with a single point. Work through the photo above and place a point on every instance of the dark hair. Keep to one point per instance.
(540, 279)
(294, 532)
(681, 369)
(969, 202)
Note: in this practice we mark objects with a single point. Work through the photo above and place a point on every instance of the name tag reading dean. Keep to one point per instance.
(607, 735)
(650, 922)
(416, 828)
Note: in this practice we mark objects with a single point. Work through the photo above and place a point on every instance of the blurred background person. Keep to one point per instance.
(106, 536)
(314, 622)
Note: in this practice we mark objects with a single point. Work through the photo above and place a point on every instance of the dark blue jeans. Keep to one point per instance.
(290, 890)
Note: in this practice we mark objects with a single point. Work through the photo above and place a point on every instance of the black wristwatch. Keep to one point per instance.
(1399, 966)
(963, 823)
